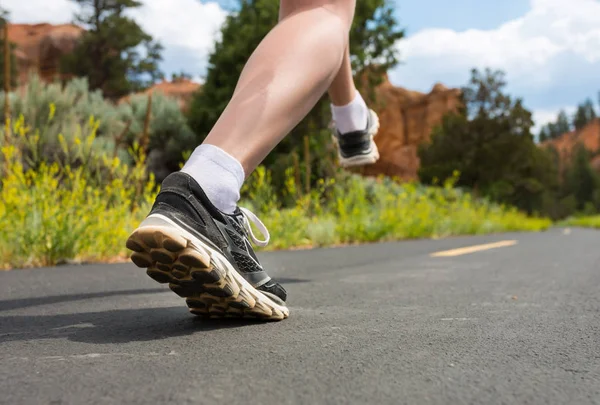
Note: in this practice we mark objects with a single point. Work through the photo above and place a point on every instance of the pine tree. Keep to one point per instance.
(562, 124)
(581, 180)
(181, 76)
(584, 115)
(489, 143)
(109, 52)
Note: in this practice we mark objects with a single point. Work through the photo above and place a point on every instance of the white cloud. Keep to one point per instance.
(40, 11)
(536, 50)
(187, 26)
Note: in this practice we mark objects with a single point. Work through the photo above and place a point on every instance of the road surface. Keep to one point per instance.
(515, 322)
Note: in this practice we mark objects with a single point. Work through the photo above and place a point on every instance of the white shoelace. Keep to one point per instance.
(250, 217)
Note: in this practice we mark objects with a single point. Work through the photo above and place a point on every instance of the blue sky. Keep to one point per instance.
(550, 49)
(458, 15)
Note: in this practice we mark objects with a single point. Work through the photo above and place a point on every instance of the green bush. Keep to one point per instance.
(53, 109)
(57, 212)
(169, 133)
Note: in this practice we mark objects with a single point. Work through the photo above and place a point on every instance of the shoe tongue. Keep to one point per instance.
(238, 218)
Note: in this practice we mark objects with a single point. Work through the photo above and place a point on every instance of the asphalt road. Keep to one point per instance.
(385, 323)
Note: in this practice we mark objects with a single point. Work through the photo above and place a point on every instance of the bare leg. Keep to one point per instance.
(342, 89)
(284, 78)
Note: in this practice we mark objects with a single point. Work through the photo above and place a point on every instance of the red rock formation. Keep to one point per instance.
(407, 119)
(588, 136)
(40, 47)
(182, 90)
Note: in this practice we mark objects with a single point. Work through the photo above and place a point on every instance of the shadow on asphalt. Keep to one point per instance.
(114, 326)
(288, 280)
(111, 326)
(8, 305)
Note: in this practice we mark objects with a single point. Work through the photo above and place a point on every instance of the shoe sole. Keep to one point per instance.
(197, 272)
(363, 160)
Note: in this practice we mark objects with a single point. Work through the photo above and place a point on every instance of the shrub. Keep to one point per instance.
(118, 126)
(169, 133)
(55, 212)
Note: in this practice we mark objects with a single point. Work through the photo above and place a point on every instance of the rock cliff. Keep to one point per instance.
(407, 119)
(588, 136)
(39, 47)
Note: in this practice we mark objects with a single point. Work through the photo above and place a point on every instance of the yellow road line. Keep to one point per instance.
(473, 249)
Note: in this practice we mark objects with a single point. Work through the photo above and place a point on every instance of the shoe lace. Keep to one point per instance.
(247, 217)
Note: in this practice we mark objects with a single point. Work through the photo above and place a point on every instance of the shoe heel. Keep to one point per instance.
(169, 257)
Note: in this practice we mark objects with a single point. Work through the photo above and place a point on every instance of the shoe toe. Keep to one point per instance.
(275, 289)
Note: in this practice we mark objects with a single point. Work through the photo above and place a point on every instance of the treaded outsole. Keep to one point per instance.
(210, 290)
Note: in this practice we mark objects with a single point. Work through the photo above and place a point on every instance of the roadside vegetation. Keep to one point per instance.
(63, 199)
(585, 222)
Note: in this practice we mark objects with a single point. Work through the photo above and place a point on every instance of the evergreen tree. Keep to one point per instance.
(13, 64)
(551, 130)
(562, 124)
(115, 54)
(581, 181)
(489, 142)
(181, 76)
(584, 115)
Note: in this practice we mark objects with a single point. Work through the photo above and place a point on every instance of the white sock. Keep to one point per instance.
(219, 174)
(351, 117)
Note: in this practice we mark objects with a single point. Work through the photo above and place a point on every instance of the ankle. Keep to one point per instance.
(220, 175)
(352, 116)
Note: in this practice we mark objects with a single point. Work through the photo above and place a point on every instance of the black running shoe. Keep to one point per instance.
(358, 148)
(205, 255)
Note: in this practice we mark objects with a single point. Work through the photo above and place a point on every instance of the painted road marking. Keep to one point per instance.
(473, 249)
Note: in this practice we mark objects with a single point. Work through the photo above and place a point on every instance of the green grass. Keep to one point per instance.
(83, 208)
(360, 210)
(587, 222)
